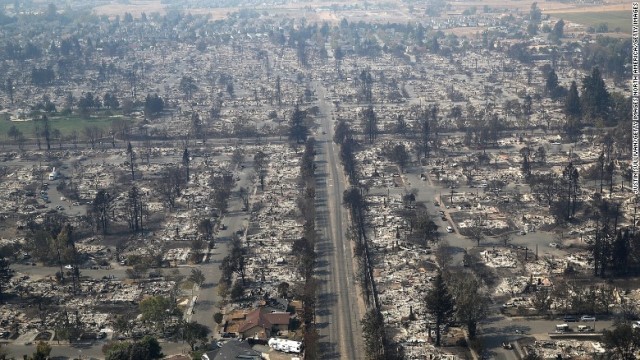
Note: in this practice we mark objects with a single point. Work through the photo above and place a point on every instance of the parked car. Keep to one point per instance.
(562, 328)
(449, 229)
(570, 318)
(584, 328)
(588, 318)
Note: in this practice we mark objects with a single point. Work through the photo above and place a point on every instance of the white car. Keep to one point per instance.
(553, 245)
(636, 325)
(69, 267)
(449, 229)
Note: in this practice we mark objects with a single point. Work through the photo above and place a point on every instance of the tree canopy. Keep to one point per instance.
(440, 304)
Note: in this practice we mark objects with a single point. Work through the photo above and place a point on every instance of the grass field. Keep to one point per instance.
(613, 19)
(66, 125)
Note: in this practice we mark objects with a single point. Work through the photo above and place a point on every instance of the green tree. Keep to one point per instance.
(237, 291)
(558, 31)
(218, 317)
(197, 277)
(399, 155)
(370, 123)
(110, 101)
(303, 250)
(542, 301)
(440, 304)
(298, 129)
(152, 349)
(572, 101)
(535, 15)
(156, 310)
(194, 333)
(283, 289)
(14, 133)
(237, 157)
(205, 228)
(526, 162)
(366, 86)
(425, 228)
(373, 334)
(551, 83)
(230, 89)
(622, 342)
(472, 302)
(153, 105)
(278, 91)
(595, 97)
(10, 89)
(224, 287)
(132, 160)
(188, 86)
(475, 232)
(311, 342)
(121, 325)
(235, 262)
(342, 132)
(186, 159)
(147, 348)
(101, 210)
(260, 162)
(42, 351)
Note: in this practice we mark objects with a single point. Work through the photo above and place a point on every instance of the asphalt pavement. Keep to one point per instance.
(208, 301)
(337, 315)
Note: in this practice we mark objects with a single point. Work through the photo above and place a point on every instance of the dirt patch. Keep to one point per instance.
(134, 7)
(466, 31)
(547, 7)
(590, 9)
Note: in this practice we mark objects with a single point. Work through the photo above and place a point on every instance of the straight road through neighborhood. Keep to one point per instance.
(338, 317)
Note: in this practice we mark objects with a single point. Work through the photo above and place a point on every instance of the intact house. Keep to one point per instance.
(259, 324)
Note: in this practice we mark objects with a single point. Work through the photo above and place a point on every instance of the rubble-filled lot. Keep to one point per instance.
(119, 207)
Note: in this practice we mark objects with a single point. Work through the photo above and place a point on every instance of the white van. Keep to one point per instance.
(562, 328)
(584, 328)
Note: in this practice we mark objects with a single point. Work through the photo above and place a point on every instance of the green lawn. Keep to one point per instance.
(66, 124)
(613, 19)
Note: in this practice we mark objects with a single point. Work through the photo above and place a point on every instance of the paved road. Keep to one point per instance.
(338, 315)
(498, 329)
(208, 300)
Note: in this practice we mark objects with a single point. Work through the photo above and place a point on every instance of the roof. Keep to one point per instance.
(237, 315)
(264, 320)
(232, 350)
(278, 318)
